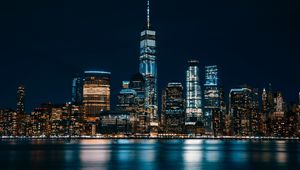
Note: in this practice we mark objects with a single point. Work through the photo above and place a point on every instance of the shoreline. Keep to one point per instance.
(150, 138)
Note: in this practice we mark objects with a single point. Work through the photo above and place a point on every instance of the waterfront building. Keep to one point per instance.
(20, 110)
(115, 123)
(148, 68)
(219, 116)
(173, 112)
(278, 120)
(66, 120)
(211, 100)
(268, 108)
(243, 106)
(194, 112)
(40, 121)
(76, 121)
(56, 122)
(8, 122)
(141, 120)
(96, 92)
(126, 98)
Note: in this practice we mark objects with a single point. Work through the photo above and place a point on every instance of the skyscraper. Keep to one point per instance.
(148, 68)
(211, 101)
(77, 89)
(137, 83)
(268, 108)
(173, 108)
(96, 92)
(193, 94)
(278, 117)
(264, 101)
(270, 101)
(279, 104)
(21, 100)
(243, 106)
(126, 98)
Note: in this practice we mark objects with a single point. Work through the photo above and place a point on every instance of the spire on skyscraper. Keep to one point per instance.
(148, 14)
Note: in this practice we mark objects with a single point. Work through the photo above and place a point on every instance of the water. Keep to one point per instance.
(149, 154)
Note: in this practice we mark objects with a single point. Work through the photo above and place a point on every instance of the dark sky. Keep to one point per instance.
(44, 43)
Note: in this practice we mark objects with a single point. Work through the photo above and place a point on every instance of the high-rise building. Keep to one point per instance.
(8, 122)
(126, 98)
(96, 92)
(137, 83)
(21, 100)
(193, 94)
(77, 89)
(268, 108)
(243, 106)
(173, 108)
(148, 68)
(270, 101)
(278, 123)
(264, 97)
(20, 112)
(141, 118)
(219, 117)
(40, 120)
(279, 103)
(211, 101)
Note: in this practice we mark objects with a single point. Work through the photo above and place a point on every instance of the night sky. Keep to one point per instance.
(44, 43)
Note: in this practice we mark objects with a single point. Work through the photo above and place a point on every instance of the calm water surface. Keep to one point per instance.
(149, 154)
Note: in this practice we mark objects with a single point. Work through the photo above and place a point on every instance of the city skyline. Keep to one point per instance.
(149, 84)
(45, 67)
(202, 111)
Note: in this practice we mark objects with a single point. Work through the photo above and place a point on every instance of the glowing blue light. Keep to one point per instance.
(97, 72)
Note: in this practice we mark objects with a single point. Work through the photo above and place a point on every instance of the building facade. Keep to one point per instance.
(243, 107)
(115, 123)
(148, 68)
(77, 89)
(211, 100)
(193, 94)
(21, 100)
(173, 111)
(96, 92)
(126, 98)
(141, 120)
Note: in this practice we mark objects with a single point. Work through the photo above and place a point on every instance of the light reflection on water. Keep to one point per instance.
(149, 154)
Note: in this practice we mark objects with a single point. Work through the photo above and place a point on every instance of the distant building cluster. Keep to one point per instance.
(189, 109)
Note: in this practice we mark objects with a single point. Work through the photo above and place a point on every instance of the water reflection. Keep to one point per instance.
(281, 155)
(149, 154)
(238, 152)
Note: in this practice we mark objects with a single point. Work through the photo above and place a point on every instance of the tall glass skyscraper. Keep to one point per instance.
(96, 92)
(148, 68)
(193, 94)
(77, 89)
(21, 99)
(211, 96)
